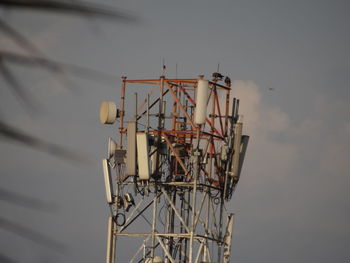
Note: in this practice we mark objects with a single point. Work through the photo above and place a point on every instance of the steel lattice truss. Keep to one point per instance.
(174, 176)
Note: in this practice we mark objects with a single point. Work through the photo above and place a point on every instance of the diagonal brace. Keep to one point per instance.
(174, 208)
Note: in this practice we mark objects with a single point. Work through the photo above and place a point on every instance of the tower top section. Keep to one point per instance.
(177, 160)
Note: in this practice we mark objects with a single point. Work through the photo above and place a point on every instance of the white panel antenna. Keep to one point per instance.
(153, 159)
(108, 181)
(244, 146)
(228, 238)
(237, 146)
(143, 155)
(131, 150)
(112, 146)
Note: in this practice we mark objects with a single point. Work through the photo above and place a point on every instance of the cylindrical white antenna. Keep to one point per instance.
(108, 112)
(201, 101)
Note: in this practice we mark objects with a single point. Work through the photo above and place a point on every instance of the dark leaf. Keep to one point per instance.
(76, 7)
(15, 86)
(25, 201)
(19, 38)
(31, 235)
(55, 66)
(5, 259)
(16, 135)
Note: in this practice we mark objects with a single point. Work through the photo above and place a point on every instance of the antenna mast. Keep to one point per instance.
(177, 163)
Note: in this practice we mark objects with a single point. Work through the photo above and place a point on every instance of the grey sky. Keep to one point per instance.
(292, 201)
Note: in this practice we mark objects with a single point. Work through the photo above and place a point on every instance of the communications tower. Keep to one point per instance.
(174, 167)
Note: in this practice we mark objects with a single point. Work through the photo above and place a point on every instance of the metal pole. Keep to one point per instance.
(187, 222)
(220, 227)
(205, 252)
(194, 194)
(161, 87)
(154, 219)
(136, 110)
(122, 113)
(227, 110)
(110, 255)
(147, 127)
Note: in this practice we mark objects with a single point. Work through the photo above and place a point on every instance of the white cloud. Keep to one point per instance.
(336, 151)
(258, 116)
(278, 147)
(347, 127)
(267, 157)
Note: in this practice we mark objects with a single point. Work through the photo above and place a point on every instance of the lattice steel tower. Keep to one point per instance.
(176, 164)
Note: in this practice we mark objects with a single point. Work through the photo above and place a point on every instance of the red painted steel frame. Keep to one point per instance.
(178, 88)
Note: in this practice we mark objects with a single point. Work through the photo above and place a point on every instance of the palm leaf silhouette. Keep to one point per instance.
(26, 201)
(33, 57)
(5, 259)
(32, 235)
(15, 135)
(69, 7)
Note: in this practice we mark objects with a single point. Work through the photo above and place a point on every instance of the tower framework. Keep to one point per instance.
(176, 164)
